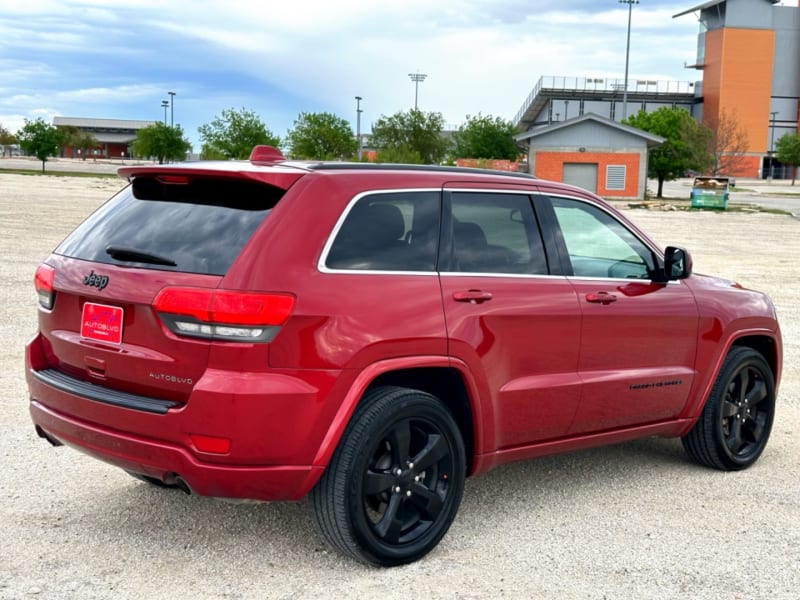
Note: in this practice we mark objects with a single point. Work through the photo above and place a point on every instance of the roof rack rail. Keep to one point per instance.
(334, 166)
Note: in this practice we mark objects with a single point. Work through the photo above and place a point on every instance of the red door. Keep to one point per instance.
(517, 329)
(638, 338)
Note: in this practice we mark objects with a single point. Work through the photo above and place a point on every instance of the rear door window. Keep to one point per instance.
(191, 225)
(495, 233)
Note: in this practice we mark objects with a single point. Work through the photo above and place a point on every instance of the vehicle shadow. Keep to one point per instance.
(131, 517)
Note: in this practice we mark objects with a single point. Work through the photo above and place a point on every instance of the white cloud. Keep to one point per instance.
(103, 59)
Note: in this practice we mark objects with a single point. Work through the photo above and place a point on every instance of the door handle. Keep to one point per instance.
(472, 296)
(601, 298)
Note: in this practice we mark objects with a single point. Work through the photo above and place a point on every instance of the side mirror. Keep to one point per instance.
(677, 263)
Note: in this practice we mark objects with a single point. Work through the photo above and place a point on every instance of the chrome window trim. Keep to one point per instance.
(499, 275)
(323, 268)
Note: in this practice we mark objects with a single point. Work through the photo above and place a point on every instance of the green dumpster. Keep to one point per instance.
(710, 192)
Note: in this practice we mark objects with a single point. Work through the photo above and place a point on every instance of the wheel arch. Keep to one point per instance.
(434, 375)
(766, 342)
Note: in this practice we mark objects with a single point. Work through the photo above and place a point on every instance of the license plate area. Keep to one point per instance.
(101, 323)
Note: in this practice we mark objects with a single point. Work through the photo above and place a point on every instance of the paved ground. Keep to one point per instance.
(630, 521)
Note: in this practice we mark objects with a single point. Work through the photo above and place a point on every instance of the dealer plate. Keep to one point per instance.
(102, 323)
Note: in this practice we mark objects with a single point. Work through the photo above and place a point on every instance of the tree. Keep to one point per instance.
(788, 151)
(6, 139)
(729, 143)
(75, 138)
(321, 136)
(40, 139)
(685, 147)
(86, 141)
(234, 134)
(486, 137)
(410, 134)
(161, 141)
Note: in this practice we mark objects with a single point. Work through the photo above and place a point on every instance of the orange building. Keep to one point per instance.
(749, 52)
(592, 152)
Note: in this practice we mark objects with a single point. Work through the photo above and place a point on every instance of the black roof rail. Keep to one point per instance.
(358, 166)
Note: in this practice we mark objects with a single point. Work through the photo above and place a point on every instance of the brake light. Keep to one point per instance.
(43, 282)
(223, 314)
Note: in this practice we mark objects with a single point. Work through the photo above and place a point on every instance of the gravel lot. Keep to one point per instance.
(635, 520)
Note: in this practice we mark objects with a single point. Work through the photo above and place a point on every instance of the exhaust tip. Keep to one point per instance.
(43, 434)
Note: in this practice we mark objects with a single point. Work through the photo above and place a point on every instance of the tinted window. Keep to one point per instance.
(495, 233)
(598, 245)
(197, 227)
(389, 232)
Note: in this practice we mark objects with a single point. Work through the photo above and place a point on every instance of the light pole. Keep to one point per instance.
(358, 126)
(772, 115)
(630, 4)
(566, 109)
(165, 104)
(416, 78)
(171, 109)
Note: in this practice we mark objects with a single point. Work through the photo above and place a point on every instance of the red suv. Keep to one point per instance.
(373, 334)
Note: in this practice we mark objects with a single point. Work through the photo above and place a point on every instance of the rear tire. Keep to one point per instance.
(736, 421)
(395, 482)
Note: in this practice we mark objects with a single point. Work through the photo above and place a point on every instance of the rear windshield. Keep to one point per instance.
(199, 226)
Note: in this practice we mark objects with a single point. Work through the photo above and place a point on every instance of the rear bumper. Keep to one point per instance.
(168, 461)
(273, 424)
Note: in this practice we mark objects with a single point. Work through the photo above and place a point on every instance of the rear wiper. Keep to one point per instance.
(133, 255)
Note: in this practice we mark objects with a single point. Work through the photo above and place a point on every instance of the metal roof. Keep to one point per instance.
(84, 123)
(651, 139)
(114, 138)
(706, 5)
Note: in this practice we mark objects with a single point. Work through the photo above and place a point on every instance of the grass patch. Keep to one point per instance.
(58, 173)
(784, 194)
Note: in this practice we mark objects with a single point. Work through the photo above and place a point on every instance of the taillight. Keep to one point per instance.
(43, 281)
(223, 314)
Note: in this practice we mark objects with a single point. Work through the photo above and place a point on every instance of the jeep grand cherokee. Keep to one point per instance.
(373, 334)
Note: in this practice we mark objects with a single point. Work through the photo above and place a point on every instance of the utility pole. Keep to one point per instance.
(171, 109)
(358, 126)
(772, 115)
(416, 78)
(630, 4)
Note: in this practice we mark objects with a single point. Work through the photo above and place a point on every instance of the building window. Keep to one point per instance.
(615, 177)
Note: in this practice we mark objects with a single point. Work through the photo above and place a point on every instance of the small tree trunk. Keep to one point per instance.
(660, 187)
(794, 174)
(43, 162)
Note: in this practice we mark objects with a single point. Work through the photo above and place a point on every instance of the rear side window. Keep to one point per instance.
(389, 232)
(193, 226)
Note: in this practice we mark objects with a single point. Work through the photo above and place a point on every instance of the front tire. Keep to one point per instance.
(736, 421)
(395, 482)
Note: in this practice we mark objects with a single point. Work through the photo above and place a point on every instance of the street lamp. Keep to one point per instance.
(566, 109)
(630, 4)
(358, 126)
(416, 78)
(165, 104)
(171, 109)
(772, 115)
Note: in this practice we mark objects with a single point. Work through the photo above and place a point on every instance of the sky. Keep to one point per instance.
(119, 59)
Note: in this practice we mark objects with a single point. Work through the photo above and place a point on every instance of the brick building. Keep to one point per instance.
(749, 54)
(113, 136)
(592, 152)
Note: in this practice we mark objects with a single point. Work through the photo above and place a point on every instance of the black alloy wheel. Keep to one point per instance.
(395, 483)
(735, 424)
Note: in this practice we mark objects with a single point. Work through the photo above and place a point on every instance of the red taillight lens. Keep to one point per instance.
(43, 282)
(211, 444)
(223, 314)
